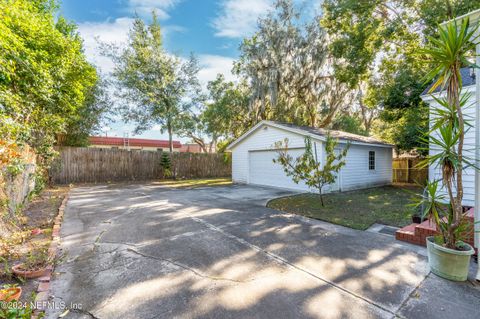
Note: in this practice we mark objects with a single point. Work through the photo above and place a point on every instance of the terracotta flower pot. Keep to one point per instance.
(28, 274)
(10, 294)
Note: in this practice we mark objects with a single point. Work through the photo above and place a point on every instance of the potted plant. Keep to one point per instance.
(10, 293)
(417, 217)
(35, 264)
(448, 255)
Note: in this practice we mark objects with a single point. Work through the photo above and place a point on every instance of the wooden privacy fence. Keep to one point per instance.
(406, 171)
(100, 165)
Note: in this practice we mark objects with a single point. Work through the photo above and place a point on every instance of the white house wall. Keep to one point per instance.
(355, 174)
(434, 172)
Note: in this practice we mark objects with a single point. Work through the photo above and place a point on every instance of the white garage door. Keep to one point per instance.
(262, 170)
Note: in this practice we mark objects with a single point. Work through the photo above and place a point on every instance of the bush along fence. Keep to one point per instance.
(99, 165)
(406, 171)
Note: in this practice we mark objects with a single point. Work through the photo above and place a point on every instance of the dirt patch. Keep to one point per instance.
(34, 230)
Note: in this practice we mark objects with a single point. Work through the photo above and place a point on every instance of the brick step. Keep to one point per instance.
(418, 233)
(426, 228)
(407, 234)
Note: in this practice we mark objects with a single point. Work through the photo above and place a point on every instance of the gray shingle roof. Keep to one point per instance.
(468, 79)
(336, 134)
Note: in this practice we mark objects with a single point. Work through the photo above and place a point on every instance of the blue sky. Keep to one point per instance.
(211, 29)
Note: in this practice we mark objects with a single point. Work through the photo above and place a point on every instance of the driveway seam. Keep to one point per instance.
(192, 270)
(292, 265)
(410, 296)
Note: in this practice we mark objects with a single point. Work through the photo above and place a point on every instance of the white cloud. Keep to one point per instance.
(109, 31)
(116, 31)
(144, 7)
(211, 65)
(238, 18)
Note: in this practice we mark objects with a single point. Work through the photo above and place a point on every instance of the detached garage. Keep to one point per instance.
(368, 162)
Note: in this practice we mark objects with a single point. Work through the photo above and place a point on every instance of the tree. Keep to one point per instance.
(403, 128)
(453, 49)
(45, 87)
(347, 122)
(227, 114)
(44, 76)
(193, 127)
(287, 65)
(166, 164)
(375, 43)
(95, 111)
(158, 88)
(308, 168)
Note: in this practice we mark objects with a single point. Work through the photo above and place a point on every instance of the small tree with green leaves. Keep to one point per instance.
(308, 168)
(166, 164)
(156, 87)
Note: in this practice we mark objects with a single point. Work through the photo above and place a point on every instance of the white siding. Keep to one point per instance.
(354, 175)
(469, 150)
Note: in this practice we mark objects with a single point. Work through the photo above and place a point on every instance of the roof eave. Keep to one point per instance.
(430, 96)
(300, 132)
(474, 17)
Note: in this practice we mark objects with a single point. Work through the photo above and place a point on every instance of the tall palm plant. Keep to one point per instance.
(453, 49)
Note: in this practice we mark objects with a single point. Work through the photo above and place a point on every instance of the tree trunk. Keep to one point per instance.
(367, 118)
(200, 142)
(170, 136)
(328, 119)
(453, 96)
(170, 146)
(321, 195)
(213, 143)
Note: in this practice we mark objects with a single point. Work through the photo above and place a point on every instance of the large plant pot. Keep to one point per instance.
(448, 263)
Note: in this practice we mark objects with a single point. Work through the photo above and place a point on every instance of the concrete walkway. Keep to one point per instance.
(147, 251)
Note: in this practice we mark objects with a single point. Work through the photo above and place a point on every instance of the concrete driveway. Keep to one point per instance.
(148, 251)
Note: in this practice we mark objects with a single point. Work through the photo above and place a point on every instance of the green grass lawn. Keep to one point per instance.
(193, 183)
(356, 209)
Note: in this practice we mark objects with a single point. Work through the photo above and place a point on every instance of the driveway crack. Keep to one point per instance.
(410, 295)
(287, 263)
(192, 270)
(85, 312)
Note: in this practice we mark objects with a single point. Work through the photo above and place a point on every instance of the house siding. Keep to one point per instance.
(468, 175)
(354, 175)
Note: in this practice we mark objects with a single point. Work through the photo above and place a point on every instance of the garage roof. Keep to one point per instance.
(319, 133)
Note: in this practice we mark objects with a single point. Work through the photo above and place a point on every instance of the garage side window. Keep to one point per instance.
(371, 160)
